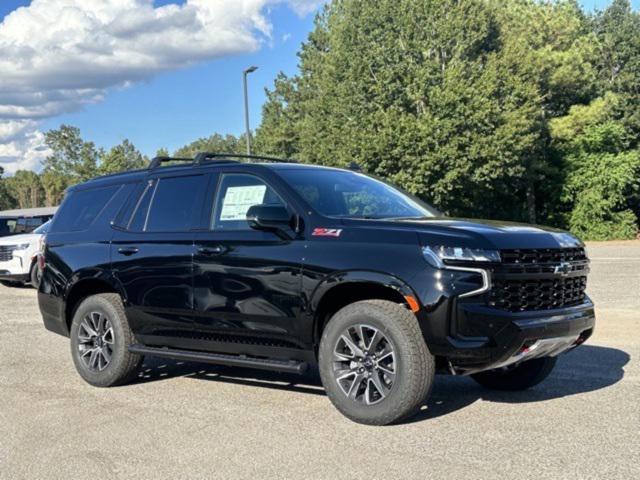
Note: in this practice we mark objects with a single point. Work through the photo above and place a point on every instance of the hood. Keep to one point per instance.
(488, 234)
(19, 239)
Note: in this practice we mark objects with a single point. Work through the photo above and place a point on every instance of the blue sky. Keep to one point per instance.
(176, 106)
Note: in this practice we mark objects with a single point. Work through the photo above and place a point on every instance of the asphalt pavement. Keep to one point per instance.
(185, 420)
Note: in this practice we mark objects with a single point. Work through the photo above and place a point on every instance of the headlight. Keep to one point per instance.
(439, 256)
(22, 246)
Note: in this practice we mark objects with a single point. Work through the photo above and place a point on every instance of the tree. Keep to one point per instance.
(450, 99)
(54, 185)
(121, 158)
(214, 143)
(618, 32)
(25, 188)
(71, 156)
(162, 152)
(6, 200)
(602, 181)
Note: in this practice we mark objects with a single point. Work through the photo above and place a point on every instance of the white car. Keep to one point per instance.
(19, 257)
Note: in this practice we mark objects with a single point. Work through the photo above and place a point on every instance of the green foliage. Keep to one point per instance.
(25, 188)
(457, 101)
(6, 200)
(214, 143)
(511, 109)
(54, 185)
(602, 174)
(71, 156)
(121, 158)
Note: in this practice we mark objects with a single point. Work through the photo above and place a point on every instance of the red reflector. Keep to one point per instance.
(41, 261)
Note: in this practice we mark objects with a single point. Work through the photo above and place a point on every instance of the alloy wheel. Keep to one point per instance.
(364, 364)
(95, 341)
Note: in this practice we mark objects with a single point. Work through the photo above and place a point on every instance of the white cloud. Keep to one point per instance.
(58, 55)
(22, 146)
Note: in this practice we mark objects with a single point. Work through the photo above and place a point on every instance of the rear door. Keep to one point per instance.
(152, 255)
(247, 283)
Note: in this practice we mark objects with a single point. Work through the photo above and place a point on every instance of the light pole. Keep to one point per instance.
(246, 105)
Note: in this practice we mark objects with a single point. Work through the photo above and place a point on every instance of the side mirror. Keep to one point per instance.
(269, 218)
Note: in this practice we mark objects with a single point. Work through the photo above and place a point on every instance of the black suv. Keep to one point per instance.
(281, 266)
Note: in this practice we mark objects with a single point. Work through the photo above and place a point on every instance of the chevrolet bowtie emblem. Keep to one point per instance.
(563, 269)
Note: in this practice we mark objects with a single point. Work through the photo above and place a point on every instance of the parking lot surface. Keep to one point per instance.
(185, 420)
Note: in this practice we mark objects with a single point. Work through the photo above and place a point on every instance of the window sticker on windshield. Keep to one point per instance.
(238, 200)
(326, 232)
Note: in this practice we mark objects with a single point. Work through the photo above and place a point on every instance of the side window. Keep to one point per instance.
(82, 207)
(141, 210)
(21, 225)
(236, 194)
(168, 205)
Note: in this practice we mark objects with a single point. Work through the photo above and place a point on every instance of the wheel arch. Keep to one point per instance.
(343, 288)
(84, 285)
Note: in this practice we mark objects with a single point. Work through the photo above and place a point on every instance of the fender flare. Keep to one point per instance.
(358, 276)
(91, 274)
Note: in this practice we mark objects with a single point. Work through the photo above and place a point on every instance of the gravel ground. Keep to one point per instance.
(182, 420)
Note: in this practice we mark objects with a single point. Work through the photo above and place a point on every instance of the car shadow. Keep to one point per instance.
(582, 370)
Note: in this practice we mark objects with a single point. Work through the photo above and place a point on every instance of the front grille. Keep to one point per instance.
(523, 295)
(6, 252)
(543, 260)
(539, 279)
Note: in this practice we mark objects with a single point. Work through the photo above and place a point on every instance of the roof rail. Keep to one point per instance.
(157, 161)
(203, 157)
(206, 156)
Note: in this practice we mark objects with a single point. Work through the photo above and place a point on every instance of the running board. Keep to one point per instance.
(288, 366)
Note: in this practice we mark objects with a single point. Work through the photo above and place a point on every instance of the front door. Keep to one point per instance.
(247, 283)
(152, 257)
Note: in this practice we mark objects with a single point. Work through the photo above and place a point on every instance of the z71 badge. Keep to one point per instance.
(326, 232)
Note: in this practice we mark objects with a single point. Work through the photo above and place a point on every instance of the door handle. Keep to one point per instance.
(217, 250)
(128, 251)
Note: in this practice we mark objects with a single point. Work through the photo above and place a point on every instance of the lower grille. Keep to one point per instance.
(539, 294)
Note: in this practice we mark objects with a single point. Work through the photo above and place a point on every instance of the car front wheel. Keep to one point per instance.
(374, 363)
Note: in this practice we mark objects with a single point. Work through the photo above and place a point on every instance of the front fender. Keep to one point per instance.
(358, 276)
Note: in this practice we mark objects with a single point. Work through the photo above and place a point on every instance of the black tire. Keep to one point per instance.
(413, 365)
(521, 377)
(122, 365)
(34, 275)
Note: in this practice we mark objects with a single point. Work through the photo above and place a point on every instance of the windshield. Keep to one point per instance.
(340, 193)
(44, 228)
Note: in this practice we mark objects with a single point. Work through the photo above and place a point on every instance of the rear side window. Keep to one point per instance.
(169, 204)
(82, 207)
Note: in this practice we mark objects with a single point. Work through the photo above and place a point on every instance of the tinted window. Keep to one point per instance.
(142, 208)
(8, 225)
(82, 207)
(236, 194)
(173, 204)
(340, 193)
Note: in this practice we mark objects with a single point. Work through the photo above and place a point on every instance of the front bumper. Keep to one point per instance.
(6, 276)
(17, 265)
(514, 337)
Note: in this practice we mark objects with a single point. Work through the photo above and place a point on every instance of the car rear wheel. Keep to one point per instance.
(100, 341)
(522, 376)
(374, 363)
